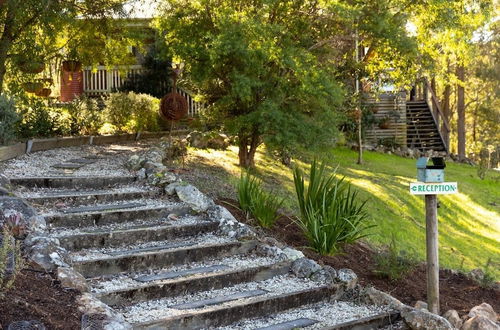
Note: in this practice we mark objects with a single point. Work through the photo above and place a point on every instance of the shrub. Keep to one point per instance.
(8, 119)
(330, 213)
(131, 112)
(86, 117)
(393, 263)
(254, 200)
(39, 120)
(488, 280)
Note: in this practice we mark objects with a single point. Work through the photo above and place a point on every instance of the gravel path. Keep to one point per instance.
(109, 163)
(328, 314)
(127, 280)
(140, 223)
(198, 241)
(161, 308)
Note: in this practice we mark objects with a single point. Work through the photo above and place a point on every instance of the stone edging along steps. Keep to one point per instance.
(162, 265)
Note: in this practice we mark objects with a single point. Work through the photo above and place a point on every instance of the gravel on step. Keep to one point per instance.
(198, 241)
(328, 314)
(136, 224)
(40, 163)
(51, 192)
(161, 308)
(126, 281)
(115, 206)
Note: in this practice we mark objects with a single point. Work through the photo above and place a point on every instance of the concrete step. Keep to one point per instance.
(217, 315)
(49, 197)
(115, 214)
(116, 238)
(325, 315)
(189, 281)
(72, 181)
(93, 264)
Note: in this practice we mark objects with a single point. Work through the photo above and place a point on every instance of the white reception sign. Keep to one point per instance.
(443, 188)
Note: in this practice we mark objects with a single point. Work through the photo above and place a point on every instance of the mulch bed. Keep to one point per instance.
(38, 296)
(456, 290)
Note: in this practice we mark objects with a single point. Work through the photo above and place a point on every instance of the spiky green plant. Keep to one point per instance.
(263, 206)
(247, 187)
(330, 213)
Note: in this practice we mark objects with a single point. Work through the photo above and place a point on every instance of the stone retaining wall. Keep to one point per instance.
(18, 149)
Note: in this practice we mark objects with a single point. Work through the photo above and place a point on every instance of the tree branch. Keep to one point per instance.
(31, 20)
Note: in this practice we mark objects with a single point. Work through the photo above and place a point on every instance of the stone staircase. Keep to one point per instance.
(160, 265)
(422, 131)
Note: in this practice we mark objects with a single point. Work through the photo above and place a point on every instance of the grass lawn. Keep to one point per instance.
(469, 222)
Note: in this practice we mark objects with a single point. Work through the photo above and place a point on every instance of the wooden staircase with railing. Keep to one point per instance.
(423, 119)
(422, 132)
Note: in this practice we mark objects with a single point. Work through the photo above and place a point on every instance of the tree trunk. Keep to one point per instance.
(6, 41)
(474, 124)
(247, 147)
(4, 49)
(461, 112)
(446, 114)
(360, 136)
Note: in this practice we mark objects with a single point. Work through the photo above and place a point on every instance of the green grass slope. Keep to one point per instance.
(469, 222)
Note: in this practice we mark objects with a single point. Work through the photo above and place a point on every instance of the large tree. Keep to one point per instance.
(260, 67)
(447, 34)
(31, 30)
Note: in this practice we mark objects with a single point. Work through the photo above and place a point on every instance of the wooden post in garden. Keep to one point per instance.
(431, 183)
(432, 247)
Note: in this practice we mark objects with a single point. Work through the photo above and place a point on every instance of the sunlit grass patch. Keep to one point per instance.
(469, 222)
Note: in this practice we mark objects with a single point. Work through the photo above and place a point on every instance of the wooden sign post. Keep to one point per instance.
(431, 185)
(432, 247)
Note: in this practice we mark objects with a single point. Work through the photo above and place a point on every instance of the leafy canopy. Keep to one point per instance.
(257, 65)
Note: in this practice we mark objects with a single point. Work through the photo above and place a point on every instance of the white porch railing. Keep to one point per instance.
(104, 81)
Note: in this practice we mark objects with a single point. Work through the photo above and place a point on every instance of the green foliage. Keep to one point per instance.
(259, 66)
(247, 185)
(131, 112)
(40, 120)
(11, 261)
(155, 78)
(8, 119)
(330, 213)
(42, 30)
(85, 116)
(393, 263)
(488, 280)
(254, 200)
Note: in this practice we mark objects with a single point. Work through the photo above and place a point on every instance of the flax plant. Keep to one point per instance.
(253, 200)
(330, 213)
